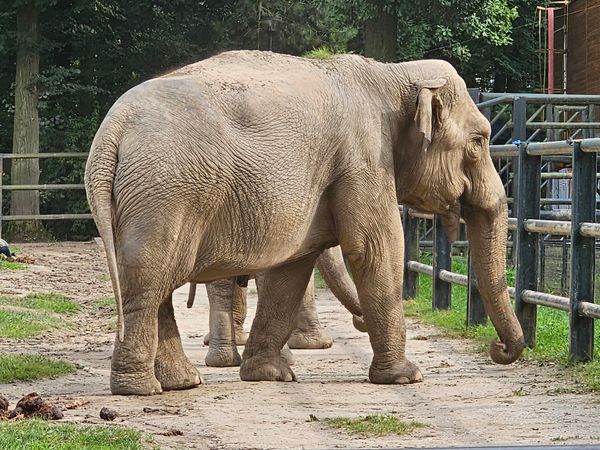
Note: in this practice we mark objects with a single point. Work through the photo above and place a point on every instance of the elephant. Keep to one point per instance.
(227, 299)
(253, 161)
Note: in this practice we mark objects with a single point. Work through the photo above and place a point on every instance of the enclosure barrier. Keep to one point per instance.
(38, 187)
(527, 227)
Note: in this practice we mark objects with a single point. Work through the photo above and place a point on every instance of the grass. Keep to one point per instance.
(26, 324)
(55, 303)
(41, 435)
(552, 327)
(105, 303)
(376, 424)
(8, 265)
(25, 367)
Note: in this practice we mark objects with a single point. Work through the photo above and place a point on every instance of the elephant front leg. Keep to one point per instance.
(132, 366)
(375, 251)
(280, 292)
(309, 334)
(222, 350)
(172, 367)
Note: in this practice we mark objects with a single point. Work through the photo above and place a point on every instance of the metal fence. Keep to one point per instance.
(527, 227)
(38, 187)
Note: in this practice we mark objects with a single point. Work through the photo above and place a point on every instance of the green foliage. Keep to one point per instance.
(323, 52)
(376, 424)
(105, 304)
(56, 303)
(43, 435)
(25, 367)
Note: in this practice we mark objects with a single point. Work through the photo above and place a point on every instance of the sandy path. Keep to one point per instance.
(463, 393)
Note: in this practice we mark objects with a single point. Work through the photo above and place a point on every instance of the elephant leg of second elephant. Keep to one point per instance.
(309, 334)
(280, 295)
(222, 350)
(172, 367)
(240, 310)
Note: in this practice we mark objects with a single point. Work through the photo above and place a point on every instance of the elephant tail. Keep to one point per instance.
(99, 177)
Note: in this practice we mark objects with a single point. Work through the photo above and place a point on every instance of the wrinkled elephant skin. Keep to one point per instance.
(252, 162)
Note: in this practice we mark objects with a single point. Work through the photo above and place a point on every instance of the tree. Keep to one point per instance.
(26, 135)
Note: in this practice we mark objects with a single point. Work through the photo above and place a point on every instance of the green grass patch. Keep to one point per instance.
(10, 265)
(552, 326)
(55, 303)
(105, 303)
(26, 324)
(376, 424)
(26, 367)
(41, 435)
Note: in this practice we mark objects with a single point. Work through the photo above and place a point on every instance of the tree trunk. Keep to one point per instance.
(26, 135)
(381, 32)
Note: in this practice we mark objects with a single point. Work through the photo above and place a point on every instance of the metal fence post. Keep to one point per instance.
(410, 288)
(1, 189)
(583, 209)
(528, 207)
(475, 311)
(442, 260)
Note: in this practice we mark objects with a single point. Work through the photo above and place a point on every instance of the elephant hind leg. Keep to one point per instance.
(172, 367)
(309, 334)
(222, 350)
(240, 309)
(280, 293)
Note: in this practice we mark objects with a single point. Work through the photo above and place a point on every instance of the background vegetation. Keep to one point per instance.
(91, 51)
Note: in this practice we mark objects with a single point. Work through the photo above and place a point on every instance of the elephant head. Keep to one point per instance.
(453, 175)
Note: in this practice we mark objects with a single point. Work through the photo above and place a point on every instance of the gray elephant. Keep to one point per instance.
(252, 162)
(227, 300)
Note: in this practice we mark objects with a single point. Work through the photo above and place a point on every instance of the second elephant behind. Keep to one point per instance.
(227, 300)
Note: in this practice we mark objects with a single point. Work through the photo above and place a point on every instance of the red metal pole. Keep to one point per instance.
(550, 50)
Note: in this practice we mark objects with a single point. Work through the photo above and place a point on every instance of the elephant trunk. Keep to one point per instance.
(487, 231)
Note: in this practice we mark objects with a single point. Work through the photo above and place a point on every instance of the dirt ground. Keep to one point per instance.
(464, 400)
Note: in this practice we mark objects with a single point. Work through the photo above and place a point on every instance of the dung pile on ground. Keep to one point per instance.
(32, 405)
(24, 259)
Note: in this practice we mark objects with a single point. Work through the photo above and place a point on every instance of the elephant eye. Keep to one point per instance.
(478, 140)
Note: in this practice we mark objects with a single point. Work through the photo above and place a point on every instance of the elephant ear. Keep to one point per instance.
(428, 109)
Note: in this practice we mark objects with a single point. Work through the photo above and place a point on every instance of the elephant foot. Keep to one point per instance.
(240, 338)
(176, 375)
(315, 338)
(403, 372)
(287, 355)
(134, 384)
(261, 369)
(223, 357)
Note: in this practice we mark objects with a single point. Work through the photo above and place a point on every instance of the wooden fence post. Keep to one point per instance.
(410, 288)
(442, 260)
(583, 209)
(528, 207)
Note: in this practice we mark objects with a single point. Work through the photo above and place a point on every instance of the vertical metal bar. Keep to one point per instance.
(410, 287)
(542, 276)
(519, 134)
(475, 311)
(563, 273)
(1, 191)
(581, 343)
(527, 243)
(442, 260)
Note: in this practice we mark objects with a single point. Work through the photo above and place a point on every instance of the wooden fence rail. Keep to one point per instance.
(38, 187)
